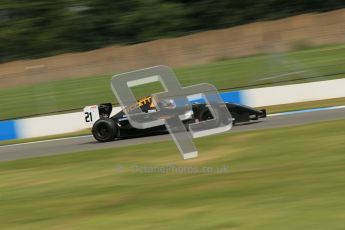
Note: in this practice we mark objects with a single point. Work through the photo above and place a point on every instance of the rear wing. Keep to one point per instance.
(93, 113)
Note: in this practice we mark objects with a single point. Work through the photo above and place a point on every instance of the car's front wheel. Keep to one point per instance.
(104, 130)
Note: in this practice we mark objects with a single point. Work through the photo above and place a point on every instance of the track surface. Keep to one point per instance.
(75, 144)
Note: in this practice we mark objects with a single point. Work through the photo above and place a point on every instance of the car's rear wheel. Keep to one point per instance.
(104, 130)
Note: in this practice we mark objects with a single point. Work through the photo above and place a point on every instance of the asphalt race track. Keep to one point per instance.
(83, 143)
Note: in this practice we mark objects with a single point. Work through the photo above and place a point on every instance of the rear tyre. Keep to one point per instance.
(104, 130)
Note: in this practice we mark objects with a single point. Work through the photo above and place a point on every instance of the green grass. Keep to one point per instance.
(76, 93)
(286, 178)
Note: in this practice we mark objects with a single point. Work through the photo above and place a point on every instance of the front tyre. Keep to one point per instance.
(205, 114)
(104, 130)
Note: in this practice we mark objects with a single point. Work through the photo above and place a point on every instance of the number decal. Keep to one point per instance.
(88, 116)
(91, 114)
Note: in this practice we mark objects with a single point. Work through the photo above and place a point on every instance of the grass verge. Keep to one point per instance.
(287, 178)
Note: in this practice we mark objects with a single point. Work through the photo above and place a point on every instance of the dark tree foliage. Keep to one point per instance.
(39, 28)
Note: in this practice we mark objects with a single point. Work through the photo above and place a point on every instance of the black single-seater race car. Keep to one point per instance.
(108, 128)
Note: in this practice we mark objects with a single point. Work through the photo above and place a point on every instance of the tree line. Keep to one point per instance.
(39, 28)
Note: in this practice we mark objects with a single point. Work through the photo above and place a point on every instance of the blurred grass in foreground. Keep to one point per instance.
(77, 93)
(287, 178)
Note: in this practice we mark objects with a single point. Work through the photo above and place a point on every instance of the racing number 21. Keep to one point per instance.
(88, 116)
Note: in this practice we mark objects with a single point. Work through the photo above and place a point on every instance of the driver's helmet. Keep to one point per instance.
(167, 103)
